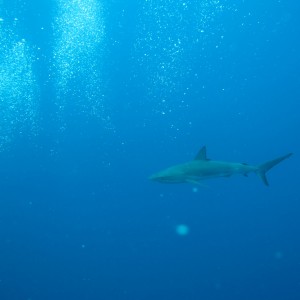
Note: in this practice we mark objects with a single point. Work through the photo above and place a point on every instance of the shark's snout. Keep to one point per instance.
(154, 177)
(165, 177)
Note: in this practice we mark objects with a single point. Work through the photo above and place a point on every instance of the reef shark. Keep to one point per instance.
(203, 168)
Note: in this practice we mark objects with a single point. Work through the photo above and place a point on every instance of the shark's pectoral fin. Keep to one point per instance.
(193, 181)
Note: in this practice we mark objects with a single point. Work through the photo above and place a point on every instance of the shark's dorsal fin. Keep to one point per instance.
(201, 154)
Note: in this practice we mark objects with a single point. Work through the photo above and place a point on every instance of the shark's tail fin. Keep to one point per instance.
(264, 168)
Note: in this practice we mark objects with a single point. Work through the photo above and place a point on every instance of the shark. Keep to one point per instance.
(202, 168)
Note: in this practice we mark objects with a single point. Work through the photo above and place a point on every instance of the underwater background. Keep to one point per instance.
(97, 95)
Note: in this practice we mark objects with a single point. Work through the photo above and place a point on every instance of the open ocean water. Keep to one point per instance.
(97, 95)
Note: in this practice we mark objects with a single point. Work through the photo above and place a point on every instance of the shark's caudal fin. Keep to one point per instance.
(264, 168)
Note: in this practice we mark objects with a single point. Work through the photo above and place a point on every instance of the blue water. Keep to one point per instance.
(97, 95)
